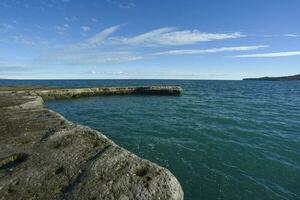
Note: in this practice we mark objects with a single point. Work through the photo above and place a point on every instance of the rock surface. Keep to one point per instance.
(281, 78)
(44, 156)
(60, 93)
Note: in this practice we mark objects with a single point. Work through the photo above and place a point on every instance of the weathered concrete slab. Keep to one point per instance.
(44, 156)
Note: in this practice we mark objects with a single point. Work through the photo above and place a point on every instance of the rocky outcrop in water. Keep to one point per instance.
(45, 156)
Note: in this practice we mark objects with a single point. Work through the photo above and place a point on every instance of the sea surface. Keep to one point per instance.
(222, 139)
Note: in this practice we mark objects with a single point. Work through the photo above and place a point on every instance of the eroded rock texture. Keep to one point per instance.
(44, 156)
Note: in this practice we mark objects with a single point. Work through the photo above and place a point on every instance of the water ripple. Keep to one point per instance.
(222, 139)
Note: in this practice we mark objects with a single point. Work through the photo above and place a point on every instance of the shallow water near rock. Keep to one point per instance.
(221, 139)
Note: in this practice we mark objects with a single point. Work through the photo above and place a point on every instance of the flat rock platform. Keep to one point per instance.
(45, 156)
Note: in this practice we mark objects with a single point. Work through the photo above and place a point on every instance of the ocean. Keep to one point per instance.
(222, 139)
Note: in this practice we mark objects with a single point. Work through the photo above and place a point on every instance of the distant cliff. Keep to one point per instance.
(282, 78)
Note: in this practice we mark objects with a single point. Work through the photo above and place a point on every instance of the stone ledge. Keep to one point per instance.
(61, 93)
(45, 156)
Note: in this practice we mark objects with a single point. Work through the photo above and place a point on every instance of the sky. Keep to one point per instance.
(149, 39)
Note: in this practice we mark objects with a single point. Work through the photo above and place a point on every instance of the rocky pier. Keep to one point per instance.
(45, 156)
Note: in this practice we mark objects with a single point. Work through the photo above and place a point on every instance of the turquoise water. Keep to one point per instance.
(221, 139)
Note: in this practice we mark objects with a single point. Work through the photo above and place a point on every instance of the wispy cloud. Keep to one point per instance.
(166, 36)
(85, 28)
(291, 35)
(207, 51)
(6, 27)
(282, 35)
(71, 19)
(127, 6)
(164, 74)
(122, 4)
(170, 36)
(88, 58)
(270, 55)
(61, 29)
(93, 50)
(111, 73)
(20, 39)
(102, 48)
(95, 20)
(101, 36)
(97, 49)
(13, 66)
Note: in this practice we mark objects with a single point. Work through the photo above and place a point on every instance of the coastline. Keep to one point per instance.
(43, 155)
(280, 78)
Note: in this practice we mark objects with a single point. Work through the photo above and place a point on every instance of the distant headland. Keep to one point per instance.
(281, 78)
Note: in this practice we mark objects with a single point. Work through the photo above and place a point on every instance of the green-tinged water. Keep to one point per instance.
(221, 139)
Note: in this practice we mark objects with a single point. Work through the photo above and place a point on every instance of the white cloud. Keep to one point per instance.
(101, 36)
(170, 36)
(111, 73)
(62, 28)
(94, 50)
(291, 35)
(91, 44)
(167, 36)
(95, 20)
(122, 5)
(206, 51)
(163, 74)
(283, 35)
(145, 37)
(5, 27)
(85, 28)
(70, 19)
(20, 39)
(13, 66)
(127, 6)
(270, 55)
(93, 58)
(103, 48)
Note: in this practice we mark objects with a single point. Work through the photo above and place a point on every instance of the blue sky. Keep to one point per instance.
(170, 39)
